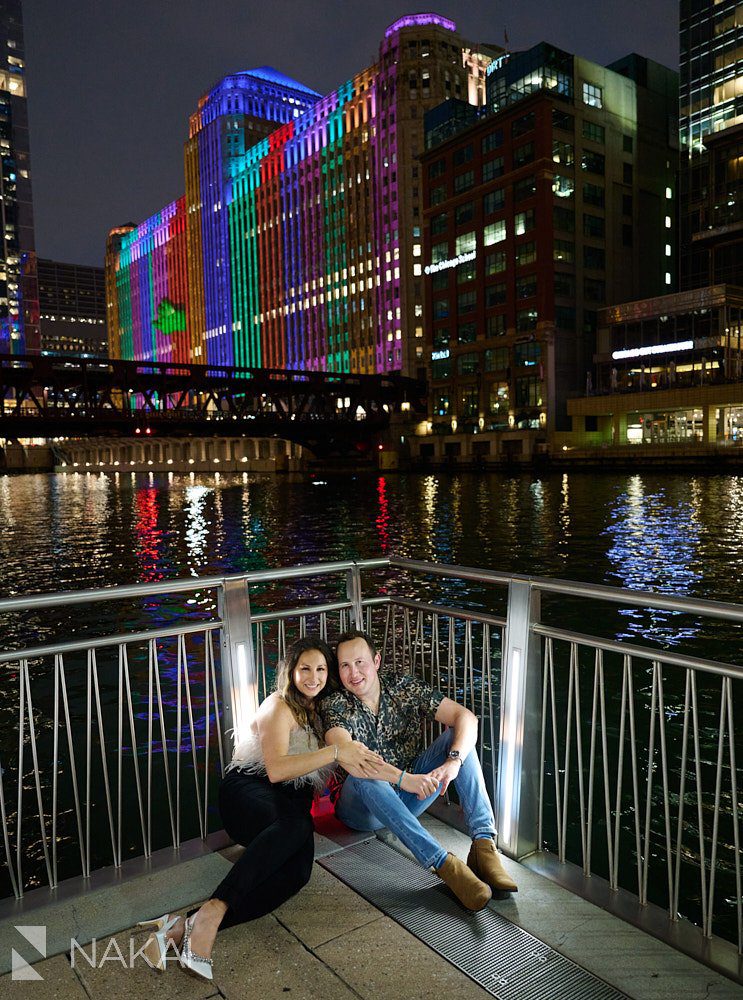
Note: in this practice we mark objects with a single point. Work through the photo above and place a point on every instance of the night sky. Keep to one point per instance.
(112, 82)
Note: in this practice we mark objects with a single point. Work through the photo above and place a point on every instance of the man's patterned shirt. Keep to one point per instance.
(396, 732)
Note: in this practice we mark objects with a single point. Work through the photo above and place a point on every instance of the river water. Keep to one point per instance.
(677, 534)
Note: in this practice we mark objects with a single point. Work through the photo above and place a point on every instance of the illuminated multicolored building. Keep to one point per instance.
(298, 242)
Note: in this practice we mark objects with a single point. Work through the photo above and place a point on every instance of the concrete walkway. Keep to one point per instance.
(329, 944)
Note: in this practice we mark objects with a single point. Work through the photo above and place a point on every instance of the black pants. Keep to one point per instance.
(274, 824)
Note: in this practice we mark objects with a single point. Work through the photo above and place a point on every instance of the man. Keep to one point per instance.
(386, 715)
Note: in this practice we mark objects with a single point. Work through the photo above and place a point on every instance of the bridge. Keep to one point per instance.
(327, 412)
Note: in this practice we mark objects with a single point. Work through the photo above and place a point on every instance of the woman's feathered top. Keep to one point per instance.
(248, 757)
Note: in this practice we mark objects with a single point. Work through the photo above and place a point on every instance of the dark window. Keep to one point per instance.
(593, 194)
(526, 320)
(464, 213)
(563, 218)
(627, 173)
(495, 263)
(526, 287)
(522, 125)
(463, 182)
(468, 364)
(526, 253)
(440, 281)
(438, 194)
(594, 290)
(594, 132)
(627, 143)
(594, 258)
(626, 204)
(528, 392)
(463, 155)
(495, 295)
(441, 368)
(593, 225)
(494, 140)
(439, 224)
(495, 326)
(496, 359)
(436, 169)
(466, 333)
(523, 154)
(440, 337)
(627, 236)
(524, 188)
(440, 308)
(564, 250)
(527, 355)
(466, 272)
(594, 163)
(565, 317)
(562, 120)
(494, 201)
(466, 302)
(564, 285)
(492, 169)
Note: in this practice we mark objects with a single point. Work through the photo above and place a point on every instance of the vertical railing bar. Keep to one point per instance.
(579, 754)
(324, 626)
(217, 721)
(21, 733)
(261, 653)
(592, 762)
(649, 789)
(468, 666)
(682, 793)
(281, 639)
(178, 716)
(18, 893)
(183, 658)
(568, 741)
(394, 636)
(135, 754)
(204, 817)
(555, 750)
(452, 661)
(37, 776)
(163, 737)
(73, 766)
(716, 812)
(734, 797)
(664, 774)
(635, 782)
(543, 742)
(620, 773)
(700, 809)
(605, 754)
(150, 711)
(119, 755)
(484, 661)
(88, 761)
(55, 768)
(491, 715)
(104, 756)
(389, 620)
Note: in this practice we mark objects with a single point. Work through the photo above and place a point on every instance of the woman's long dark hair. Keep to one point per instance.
(303, 709)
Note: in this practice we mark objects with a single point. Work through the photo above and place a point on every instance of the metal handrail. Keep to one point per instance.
(554, 763)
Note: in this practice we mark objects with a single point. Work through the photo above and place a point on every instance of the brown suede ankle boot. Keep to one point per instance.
(486, 863)
(468, 889)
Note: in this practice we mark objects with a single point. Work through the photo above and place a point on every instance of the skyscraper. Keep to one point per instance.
(19, 330)
(302, 219)
(711, 135)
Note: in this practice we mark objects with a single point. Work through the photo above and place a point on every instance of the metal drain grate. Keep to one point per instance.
(504, 959)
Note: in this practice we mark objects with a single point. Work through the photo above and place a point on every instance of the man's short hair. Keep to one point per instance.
(355, 633)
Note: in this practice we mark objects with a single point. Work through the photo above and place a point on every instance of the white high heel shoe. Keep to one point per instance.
(194, 964)
(155, 950)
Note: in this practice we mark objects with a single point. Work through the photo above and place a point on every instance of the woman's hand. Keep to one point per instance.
(358, 760)
(420, 785)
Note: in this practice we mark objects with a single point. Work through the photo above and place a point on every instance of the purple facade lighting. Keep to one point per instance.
(418, 21)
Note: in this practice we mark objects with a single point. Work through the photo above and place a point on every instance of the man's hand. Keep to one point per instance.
(420, 785)
(445, 773)
(358, 760)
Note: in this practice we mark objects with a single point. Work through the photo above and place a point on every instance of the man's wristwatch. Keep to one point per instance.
(455, 755)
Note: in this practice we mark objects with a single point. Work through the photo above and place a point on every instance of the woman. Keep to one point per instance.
(265, 801)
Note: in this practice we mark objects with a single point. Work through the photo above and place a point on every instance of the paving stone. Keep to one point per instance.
(59, 982)
(263, 959)
(116, 980)
(382, 961)
(325, 909)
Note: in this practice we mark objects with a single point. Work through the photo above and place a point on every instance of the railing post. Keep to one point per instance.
(520, 727)
(239, 673)
(353, 592)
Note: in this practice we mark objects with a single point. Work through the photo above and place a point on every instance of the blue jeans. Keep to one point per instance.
(365, 804)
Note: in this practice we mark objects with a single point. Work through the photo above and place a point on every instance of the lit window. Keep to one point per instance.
(592, 95)
(669, 193)
(668, 222)
(668, 249)
(668, 277)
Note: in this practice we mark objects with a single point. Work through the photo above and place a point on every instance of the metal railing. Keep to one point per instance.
(611, 760)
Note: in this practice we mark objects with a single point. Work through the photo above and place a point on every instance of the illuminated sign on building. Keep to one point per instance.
(643, 352)
(418, 21)
(497, 64)
(442, 265)
(440, 355)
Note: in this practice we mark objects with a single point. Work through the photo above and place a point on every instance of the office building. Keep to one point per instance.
(19, 330)
(72, 309)
(556, 201)
(298, 243)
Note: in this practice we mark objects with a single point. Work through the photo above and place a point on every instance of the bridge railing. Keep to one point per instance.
(610, 749)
